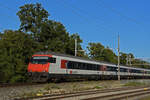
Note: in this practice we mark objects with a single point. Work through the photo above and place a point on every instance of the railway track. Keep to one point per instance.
(108, 94)
(121, 95)
(16, 84)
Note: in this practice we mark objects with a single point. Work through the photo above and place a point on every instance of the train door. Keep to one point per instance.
(103, 69)
(128, 76)
(144, 73)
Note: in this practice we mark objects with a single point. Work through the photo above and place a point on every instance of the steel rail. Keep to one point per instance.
(131, 95)
(119, 96)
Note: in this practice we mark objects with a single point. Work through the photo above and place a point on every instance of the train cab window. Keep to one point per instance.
(42, 60)
(39, 60)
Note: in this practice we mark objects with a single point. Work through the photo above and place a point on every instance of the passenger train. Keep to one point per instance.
(47, 66)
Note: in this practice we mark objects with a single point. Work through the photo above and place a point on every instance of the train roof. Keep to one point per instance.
(76, 57)
(81, 58)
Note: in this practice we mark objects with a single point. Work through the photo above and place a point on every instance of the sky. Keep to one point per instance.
(94, 20)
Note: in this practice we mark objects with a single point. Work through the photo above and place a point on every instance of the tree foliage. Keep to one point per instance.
(31, 17)
(98, 52)
(16, 48)
(53, 36)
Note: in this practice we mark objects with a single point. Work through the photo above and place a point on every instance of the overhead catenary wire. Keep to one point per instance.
(100, 2)
(85, 18)
(122, 15)
(8, 8)
(11, 9)
(79, 11)
(98, 19)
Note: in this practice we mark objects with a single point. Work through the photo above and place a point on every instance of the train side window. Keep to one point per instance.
(88, 67)
(79, 66)
(94, 67)
(123, 70)
(74, 65)
(84, 66)
(109, 68)
(69, 65)
(52, 60)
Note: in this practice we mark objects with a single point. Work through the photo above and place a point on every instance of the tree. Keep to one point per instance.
(16, 49)
(31, 17)
(49, 35)
(109, 56)
(53, 36)
(95, 51)
(123, 58)
(98, 52)
(141, 63)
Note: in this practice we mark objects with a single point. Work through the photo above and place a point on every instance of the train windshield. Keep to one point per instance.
(39, 60)
(42, 60)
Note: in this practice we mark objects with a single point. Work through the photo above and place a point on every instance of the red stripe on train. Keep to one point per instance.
(63, 64)
(42, 55)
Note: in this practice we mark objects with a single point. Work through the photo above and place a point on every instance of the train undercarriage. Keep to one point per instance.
(46, 77)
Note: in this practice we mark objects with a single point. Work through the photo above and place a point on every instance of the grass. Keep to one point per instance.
(98, 87)
(51, 86)
(146, 98)
(31, 94)
(134, 84)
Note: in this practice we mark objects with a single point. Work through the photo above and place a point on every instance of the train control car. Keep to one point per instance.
(47, 66)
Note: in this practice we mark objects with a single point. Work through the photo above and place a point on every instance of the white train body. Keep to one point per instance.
(58, 66)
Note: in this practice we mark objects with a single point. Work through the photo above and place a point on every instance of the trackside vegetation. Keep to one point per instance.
(39, 33)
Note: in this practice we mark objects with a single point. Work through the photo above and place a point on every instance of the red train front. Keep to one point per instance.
(38, 67)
